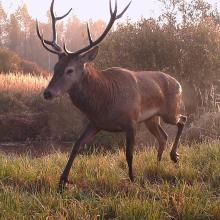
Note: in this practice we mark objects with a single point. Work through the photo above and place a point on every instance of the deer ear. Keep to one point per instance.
(90, 55)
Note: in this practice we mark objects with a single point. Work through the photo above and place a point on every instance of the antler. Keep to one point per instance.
(92, 43)
(56, 48)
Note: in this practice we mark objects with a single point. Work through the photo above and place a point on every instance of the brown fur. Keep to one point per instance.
(114, 97)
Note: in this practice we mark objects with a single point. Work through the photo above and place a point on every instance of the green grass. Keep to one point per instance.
(101, 190)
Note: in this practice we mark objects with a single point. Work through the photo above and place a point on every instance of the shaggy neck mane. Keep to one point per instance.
(94, 92)
(90, 71)
(94, 80)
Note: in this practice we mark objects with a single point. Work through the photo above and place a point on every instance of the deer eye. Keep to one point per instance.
(69, 71)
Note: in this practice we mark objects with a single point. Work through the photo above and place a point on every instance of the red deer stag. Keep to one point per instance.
(114, 99)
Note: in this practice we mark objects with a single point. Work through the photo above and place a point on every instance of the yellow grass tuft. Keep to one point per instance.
(20, 83)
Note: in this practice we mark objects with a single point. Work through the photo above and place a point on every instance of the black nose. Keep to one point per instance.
(48, 95)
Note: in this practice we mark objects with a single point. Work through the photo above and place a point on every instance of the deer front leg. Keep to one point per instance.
(87, 135)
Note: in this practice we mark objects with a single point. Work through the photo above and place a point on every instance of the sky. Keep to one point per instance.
(90, 9)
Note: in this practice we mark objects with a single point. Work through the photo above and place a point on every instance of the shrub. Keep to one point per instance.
(11, 62)
(32, 68)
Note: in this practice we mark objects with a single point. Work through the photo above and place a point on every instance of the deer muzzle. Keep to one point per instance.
(48, 95)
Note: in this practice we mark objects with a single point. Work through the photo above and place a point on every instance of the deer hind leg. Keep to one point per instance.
(180, 125)
(130, 139)
(155, 128)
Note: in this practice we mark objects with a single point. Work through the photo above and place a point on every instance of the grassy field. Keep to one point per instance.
(101, 190)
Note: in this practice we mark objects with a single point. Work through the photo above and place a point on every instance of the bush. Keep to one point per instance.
(32, 68)
(11, 62)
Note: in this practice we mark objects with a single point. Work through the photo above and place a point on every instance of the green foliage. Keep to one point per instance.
(101, 190)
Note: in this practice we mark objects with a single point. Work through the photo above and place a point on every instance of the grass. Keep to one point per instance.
(21, 93)
(101, 190)
(24, 84)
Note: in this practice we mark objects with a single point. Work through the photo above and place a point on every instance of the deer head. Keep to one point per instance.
(70, 66)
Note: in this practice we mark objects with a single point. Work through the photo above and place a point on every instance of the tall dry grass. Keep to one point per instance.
(24, 84)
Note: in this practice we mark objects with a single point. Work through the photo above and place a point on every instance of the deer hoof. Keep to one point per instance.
(62, 184)
(131, 178)
(159, 157)
(174, 157)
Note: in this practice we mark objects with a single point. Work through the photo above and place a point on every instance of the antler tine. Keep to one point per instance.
(121, 14)
(116, 7)
(51, 10)
(53, 17)
(113, 13)
(40, 35)
(110, 7)
(89, 35)
(47, 48)
(58, 49)
(38, 31)
(113, 18)
(65, 49)
(61, 17)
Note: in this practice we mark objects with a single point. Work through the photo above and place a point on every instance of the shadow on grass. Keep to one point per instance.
(35, 149)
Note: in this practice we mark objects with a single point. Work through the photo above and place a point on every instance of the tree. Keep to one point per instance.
(14, 34)
(24, 22)
(3, 25)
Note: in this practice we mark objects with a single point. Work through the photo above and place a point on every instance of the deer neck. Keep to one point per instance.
(89, 93)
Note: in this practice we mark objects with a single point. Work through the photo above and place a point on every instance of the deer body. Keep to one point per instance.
(115, 99)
